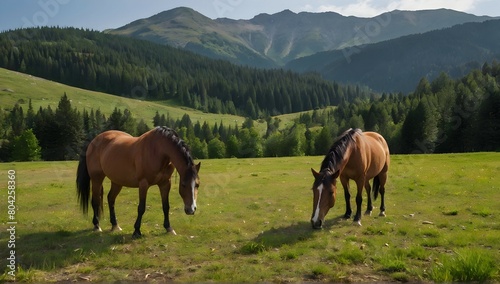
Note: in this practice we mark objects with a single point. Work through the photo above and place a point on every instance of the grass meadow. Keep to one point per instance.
(252, 225)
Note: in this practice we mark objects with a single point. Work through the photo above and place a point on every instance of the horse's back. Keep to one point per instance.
(102, 142)
(109, 152)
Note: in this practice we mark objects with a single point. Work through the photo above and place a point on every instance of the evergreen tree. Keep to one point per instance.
(69, 139)
(419, 132)
(142, 128)
(16, 119)
(232, 146)
(323, 141)
(489, 123)
(30, 116)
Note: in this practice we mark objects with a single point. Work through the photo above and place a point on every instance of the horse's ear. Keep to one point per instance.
(198, 167)
(315, 173)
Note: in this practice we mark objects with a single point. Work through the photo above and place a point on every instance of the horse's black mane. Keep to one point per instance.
(336, 153)
(174, 137)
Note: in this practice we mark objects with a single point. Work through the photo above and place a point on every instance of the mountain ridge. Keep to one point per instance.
(272, 40)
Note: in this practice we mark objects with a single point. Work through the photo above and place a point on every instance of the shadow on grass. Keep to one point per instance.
(295, 233)
(51, 250)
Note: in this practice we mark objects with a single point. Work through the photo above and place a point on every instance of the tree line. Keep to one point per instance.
(144, 70)
(441, 116)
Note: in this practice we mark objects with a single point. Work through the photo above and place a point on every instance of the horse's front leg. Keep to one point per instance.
(347, 195)
(164, 192)
(369, 207)
(359, 201)
(143, 191)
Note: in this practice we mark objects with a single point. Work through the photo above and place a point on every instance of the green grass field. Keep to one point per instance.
(252, 225)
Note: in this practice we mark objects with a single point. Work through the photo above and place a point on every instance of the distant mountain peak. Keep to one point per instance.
(272, 40)
(176, 12)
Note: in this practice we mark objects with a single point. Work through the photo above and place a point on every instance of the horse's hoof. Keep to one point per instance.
(347, 216)
(171, 230)
(357, 223)
(116, 228)
(368, 213)
(97, 229)
(382, 214)
(136, 235)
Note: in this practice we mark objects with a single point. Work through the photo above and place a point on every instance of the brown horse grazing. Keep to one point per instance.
(138, 162)
(355, 155)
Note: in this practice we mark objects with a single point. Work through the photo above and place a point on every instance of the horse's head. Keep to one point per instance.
(188, 188)
(324, 193)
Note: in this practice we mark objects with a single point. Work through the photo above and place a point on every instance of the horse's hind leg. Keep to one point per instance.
(383, 179)
(115, 190)
(97, 198)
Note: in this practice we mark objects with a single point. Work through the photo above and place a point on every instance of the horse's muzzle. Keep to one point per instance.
(190, 210)
(317, 225)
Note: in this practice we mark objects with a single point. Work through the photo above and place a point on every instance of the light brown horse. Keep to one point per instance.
(137, 162)
(355, 155)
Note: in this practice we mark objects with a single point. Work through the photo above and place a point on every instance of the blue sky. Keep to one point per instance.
(103, 14)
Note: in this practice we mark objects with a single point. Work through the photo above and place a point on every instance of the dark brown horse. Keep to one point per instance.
(137, 162)
(355, 155)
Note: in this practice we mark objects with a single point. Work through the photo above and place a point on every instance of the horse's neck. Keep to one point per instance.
(346, 157)
(176, 157)
(179, 162)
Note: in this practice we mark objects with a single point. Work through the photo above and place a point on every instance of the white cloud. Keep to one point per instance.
(371, 8)
(362, 8)
(459, 5)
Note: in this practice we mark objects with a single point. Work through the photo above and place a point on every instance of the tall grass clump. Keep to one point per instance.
(464, 266)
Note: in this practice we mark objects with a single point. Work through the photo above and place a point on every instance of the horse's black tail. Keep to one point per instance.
(83, 183)
(376, 187)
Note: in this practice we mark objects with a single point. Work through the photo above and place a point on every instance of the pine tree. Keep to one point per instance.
(69, 124)
(142, 128)
(16, 119)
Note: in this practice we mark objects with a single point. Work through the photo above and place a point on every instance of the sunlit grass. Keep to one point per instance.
(255, 228)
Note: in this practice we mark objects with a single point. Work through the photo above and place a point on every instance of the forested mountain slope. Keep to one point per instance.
(148, 71)
(397, 65)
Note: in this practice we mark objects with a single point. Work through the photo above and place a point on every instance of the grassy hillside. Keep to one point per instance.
(252, 225)
(15, 86)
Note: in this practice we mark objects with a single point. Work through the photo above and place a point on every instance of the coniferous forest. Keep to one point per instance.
(443, 115)
(144, 70)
